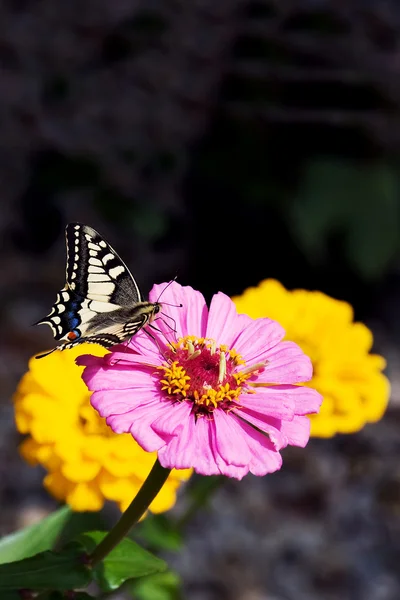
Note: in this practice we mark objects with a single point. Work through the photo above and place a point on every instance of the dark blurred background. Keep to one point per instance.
(222, 142)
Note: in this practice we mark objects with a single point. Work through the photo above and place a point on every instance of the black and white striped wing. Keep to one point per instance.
(99, 286)
(94, 269)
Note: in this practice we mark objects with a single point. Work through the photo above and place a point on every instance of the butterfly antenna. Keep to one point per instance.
(173, 305)
(166, 287)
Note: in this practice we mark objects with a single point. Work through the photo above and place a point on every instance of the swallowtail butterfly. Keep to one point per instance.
(100, 302)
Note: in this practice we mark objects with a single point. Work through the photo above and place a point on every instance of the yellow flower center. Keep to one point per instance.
(200, 372)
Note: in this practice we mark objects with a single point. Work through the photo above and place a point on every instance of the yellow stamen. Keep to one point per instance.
(175, 379)
(235, 356)
(178, 384)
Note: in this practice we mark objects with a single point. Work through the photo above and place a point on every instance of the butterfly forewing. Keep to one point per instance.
(101, 302)
(94, 269)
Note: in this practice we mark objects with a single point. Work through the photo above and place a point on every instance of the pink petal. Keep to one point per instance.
(267, 425)
(141, 421)
(180, 451)
(150, 345)
(225, 467)
(108, 402)
(287, 363)
(257, 339)
(230, 443)
(190, 319)
(118, 378)
(242, 321)
(132, 359)
(204, 460)
(297, 431)
(172, 420)
(223, 320)
(88, 360)
(265, 458)
(306, 400)
(270, 401)
(121, 422)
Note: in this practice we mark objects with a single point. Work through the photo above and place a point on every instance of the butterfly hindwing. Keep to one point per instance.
(72, 313)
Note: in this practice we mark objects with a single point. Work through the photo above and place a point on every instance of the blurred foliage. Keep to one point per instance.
(54, 173)
(297, 165)
(124, 562)
(163, 586)
(36, 538)
(300, 163)
(360, 200)
(47, 571)
(164, 533)
(158, 533)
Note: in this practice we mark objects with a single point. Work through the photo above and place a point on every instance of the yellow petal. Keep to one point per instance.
(119, 489)
(84, 497)
(57, 485)
(166, 497)
(59, 376)
(181, 474)
(29, 450)
(22, 421)
(69, 445)
(80, 471)
(118, 467)
(86, 461)
(348, 377)
(323, 427)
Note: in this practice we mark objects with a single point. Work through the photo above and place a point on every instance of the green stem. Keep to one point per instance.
(149, 490)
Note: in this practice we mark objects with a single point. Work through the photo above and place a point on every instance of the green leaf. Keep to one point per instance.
(127, 561)
(163, 586)
(159, 532)
(48, 570)
(36, 538)
(78, 523)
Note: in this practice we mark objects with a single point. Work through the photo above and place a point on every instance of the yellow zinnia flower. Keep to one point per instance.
(86, 462)
(349, 378)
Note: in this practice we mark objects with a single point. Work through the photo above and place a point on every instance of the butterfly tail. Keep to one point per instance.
(45, 353)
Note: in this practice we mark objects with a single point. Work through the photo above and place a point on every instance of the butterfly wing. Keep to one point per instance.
(90, 308)
(94, 269)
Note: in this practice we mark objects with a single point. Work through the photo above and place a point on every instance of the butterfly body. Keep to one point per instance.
(100, 302)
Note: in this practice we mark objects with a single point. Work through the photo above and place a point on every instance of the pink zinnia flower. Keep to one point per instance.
(220, 397)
